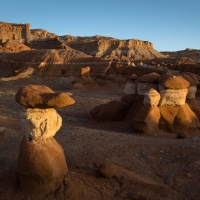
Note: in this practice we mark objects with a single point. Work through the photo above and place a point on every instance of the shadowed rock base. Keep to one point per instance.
(41, 166)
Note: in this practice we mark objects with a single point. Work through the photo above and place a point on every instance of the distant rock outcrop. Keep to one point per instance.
(190, 53)
(112, 48)
(12, 31)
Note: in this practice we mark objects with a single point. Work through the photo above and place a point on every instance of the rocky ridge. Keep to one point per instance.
(190, 53)
(112, 48)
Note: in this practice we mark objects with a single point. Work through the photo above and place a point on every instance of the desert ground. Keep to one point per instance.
(148, 167)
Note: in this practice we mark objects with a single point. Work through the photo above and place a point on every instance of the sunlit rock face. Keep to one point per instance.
(40, 123)
(172, 97)
(151, 97)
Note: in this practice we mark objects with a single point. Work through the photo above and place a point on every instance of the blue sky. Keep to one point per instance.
(170, 25)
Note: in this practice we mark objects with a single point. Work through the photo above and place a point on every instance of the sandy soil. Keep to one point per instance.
(148, 167)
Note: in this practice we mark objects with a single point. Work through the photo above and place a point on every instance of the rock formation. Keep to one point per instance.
(108, 47)
(41, 165)
(11, 31)
(130, 87)
(164, 107)
(83, 80)
(147, 118)
(190, 53)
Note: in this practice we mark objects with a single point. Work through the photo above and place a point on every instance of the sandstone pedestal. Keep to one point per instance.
(146, 120)
(41, 165)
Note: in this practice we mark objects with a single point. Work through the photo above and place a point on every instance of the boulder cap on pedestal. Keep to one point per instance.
(164, 77)
(193, 76)
(41, 96)
(149, 78)
(176, 83)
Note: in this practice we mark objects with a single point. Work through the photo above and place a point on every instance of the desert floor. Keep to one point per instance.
(144, 163)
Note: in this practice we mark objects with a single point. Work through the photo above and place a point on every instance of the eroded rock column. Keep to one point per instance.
(41, 164)
(147, 118)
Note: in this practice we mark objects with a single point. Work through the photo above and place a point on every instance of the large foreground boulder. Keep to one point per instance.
(41, 165)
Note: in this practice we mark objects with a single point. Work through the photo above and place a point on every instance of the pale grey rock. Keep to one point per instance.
(130, 88)
(191, 92)
(40, 123)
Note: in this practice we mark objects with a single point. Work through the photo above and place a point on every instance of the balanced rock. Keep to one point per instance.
(173, 97)
(130, 88)
(176, 83)
(108, 170)
(41, 96)
(85, 71)
(83, 80)
(40, 124)
(149, 78)
(41, 165)
(151, 97)
(146, 120)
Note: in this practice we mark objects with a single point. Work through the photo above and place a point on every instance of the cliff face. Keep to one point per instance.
(112, 48)
(194, 54)
(46, 43)
(10, 31)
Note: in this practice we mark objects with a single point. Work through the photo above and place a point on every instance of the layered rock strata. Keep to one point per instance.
(41, 164)
(11, 31)
(108, 47)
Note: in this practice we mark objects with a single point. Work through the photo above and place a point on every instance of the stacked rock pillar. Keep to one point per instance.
(147, 119)
(175, 112)
(41, 164)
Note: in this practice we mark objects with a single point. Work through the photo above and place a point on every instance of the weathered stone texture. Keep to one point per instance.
(10, 31)
(40, 124)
